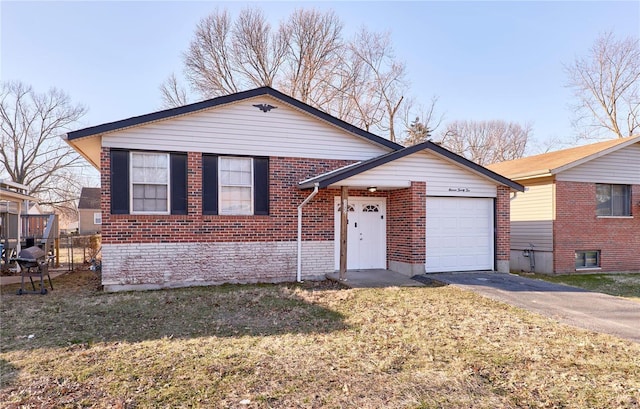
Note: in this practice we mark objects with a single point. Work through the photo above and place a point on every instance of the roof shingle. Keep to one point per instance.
(553, 162)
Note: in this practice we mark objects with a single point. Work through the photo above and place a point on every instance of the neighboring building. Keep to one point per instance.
(247, 188)
(89, 214)
(580, 209)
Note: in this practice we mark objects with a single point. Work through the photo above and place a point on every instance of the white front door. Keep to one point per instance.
(366, 233)
(459, 234)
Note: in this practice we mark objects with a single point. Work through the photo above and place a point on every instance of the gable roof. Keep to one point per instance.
(551, 163)
(89, 198)
(198, 106)
(345, 172)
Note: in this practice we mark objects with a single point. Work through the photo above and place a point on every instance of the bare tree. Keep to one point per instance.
(209, 61)
(258, 52)
(314, 45)
(359, 81)
(387, 84)
(32, 152)
(423, 123)
(606, 84)
(173, 94)
(486, 142)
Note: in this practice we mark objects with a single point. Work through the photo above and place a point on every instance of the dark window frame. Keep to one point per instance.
(582, 257)
(608, 202)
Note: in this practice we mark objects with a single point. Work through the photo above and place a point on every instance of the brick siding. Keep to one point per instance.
(576, 227)
(153, 251)
(407, 208)
(503, 224)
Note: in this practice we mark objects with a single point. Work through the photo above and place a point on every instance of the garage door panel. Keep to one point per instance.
(459, 234)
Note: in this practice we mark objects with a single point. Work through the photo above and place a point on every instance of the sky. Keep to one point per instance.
(482, 60)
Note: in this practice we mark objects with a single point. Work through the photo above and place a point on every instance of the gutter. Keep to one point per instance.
(299, 269)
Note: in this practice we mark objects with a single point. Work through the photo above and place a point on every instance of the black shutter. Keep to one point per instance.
(209, 184)
(178, 183)
(119, 182)
(261, 186)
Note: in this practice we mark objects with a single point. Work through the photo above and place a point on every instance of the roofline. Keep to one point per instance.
(226, 99)
(503, 180)
(595, 155)
(539, 173)
(336, 176)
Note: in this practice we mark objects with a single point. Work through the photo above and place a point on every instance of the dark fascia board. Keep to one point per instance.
(330, 178)
(185, 109)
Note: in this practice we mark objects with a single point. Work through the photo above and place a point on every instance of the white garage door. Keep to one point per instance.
(459, 234)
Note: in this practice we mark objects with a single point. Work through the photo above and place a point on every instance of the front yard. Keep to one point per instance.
(621, 285)
(313, 345)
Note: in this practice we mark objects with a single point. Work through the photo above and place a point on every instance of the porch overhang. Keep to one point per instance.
(339, 177)
(14, 192)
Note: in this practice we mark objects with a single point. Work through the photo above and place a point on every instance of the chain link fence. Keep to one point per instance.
(78, 251)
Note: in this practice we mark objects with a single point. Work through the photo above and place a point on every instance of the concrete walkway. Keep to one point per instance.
(570, 305)
(15, 279)
(374, 279)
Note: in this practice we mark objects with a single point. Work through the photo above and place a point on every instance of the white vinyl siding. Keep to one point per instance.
(443, 178)
(242, 129)
(149, 183)
(532, 214)
(619, 167)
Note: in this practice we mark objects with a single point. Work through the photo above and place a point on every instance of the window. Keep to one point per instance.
(97, 218)
(236, 187)
(150, 182)
(588, 259)
(140, 179)
(613, 200)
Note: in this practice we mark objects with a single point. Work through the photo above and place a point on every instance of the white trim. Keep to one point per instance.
(252, 187)
(168, 183)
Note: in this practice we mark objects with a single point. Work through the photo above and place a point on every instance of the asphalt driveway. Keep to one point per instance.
(570, 305)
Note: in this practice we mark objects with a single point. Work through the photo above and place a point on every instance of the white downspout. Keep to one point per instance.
(299, 269)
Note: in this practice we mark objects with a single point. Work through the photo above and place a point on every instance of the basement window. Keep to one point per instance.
(587, 259)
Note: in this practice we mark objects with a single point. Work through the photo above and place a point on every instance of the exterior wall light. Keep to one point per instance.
(372, 189)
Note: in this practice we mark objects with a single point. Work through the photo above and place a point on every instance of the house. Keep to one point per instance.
(89, 214)
(14, 204)
(580, 211)
(250, 187)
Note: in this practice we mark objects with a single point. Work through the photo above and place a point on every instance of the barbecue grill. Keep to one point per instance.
(32, 263)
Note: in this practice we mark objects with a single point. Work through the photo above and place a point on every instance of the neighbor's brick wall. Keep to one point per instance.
(406, 224)
(576, 227)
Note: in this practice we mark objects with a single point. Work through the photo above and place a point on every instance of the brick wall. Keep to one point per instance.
(279, 225)
(406, 226)
(503, 228)
(159, 265)
(576, 227)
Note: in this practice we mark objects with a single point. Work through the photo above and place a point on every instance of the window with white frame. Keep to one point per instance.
(613, 200)
(97, 218)
(150, 182)
(587, 259)
(236, 185)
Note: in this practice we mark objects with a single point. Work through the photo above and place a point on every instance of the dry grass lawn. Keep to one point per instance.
(621, 285)
(314, 345)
